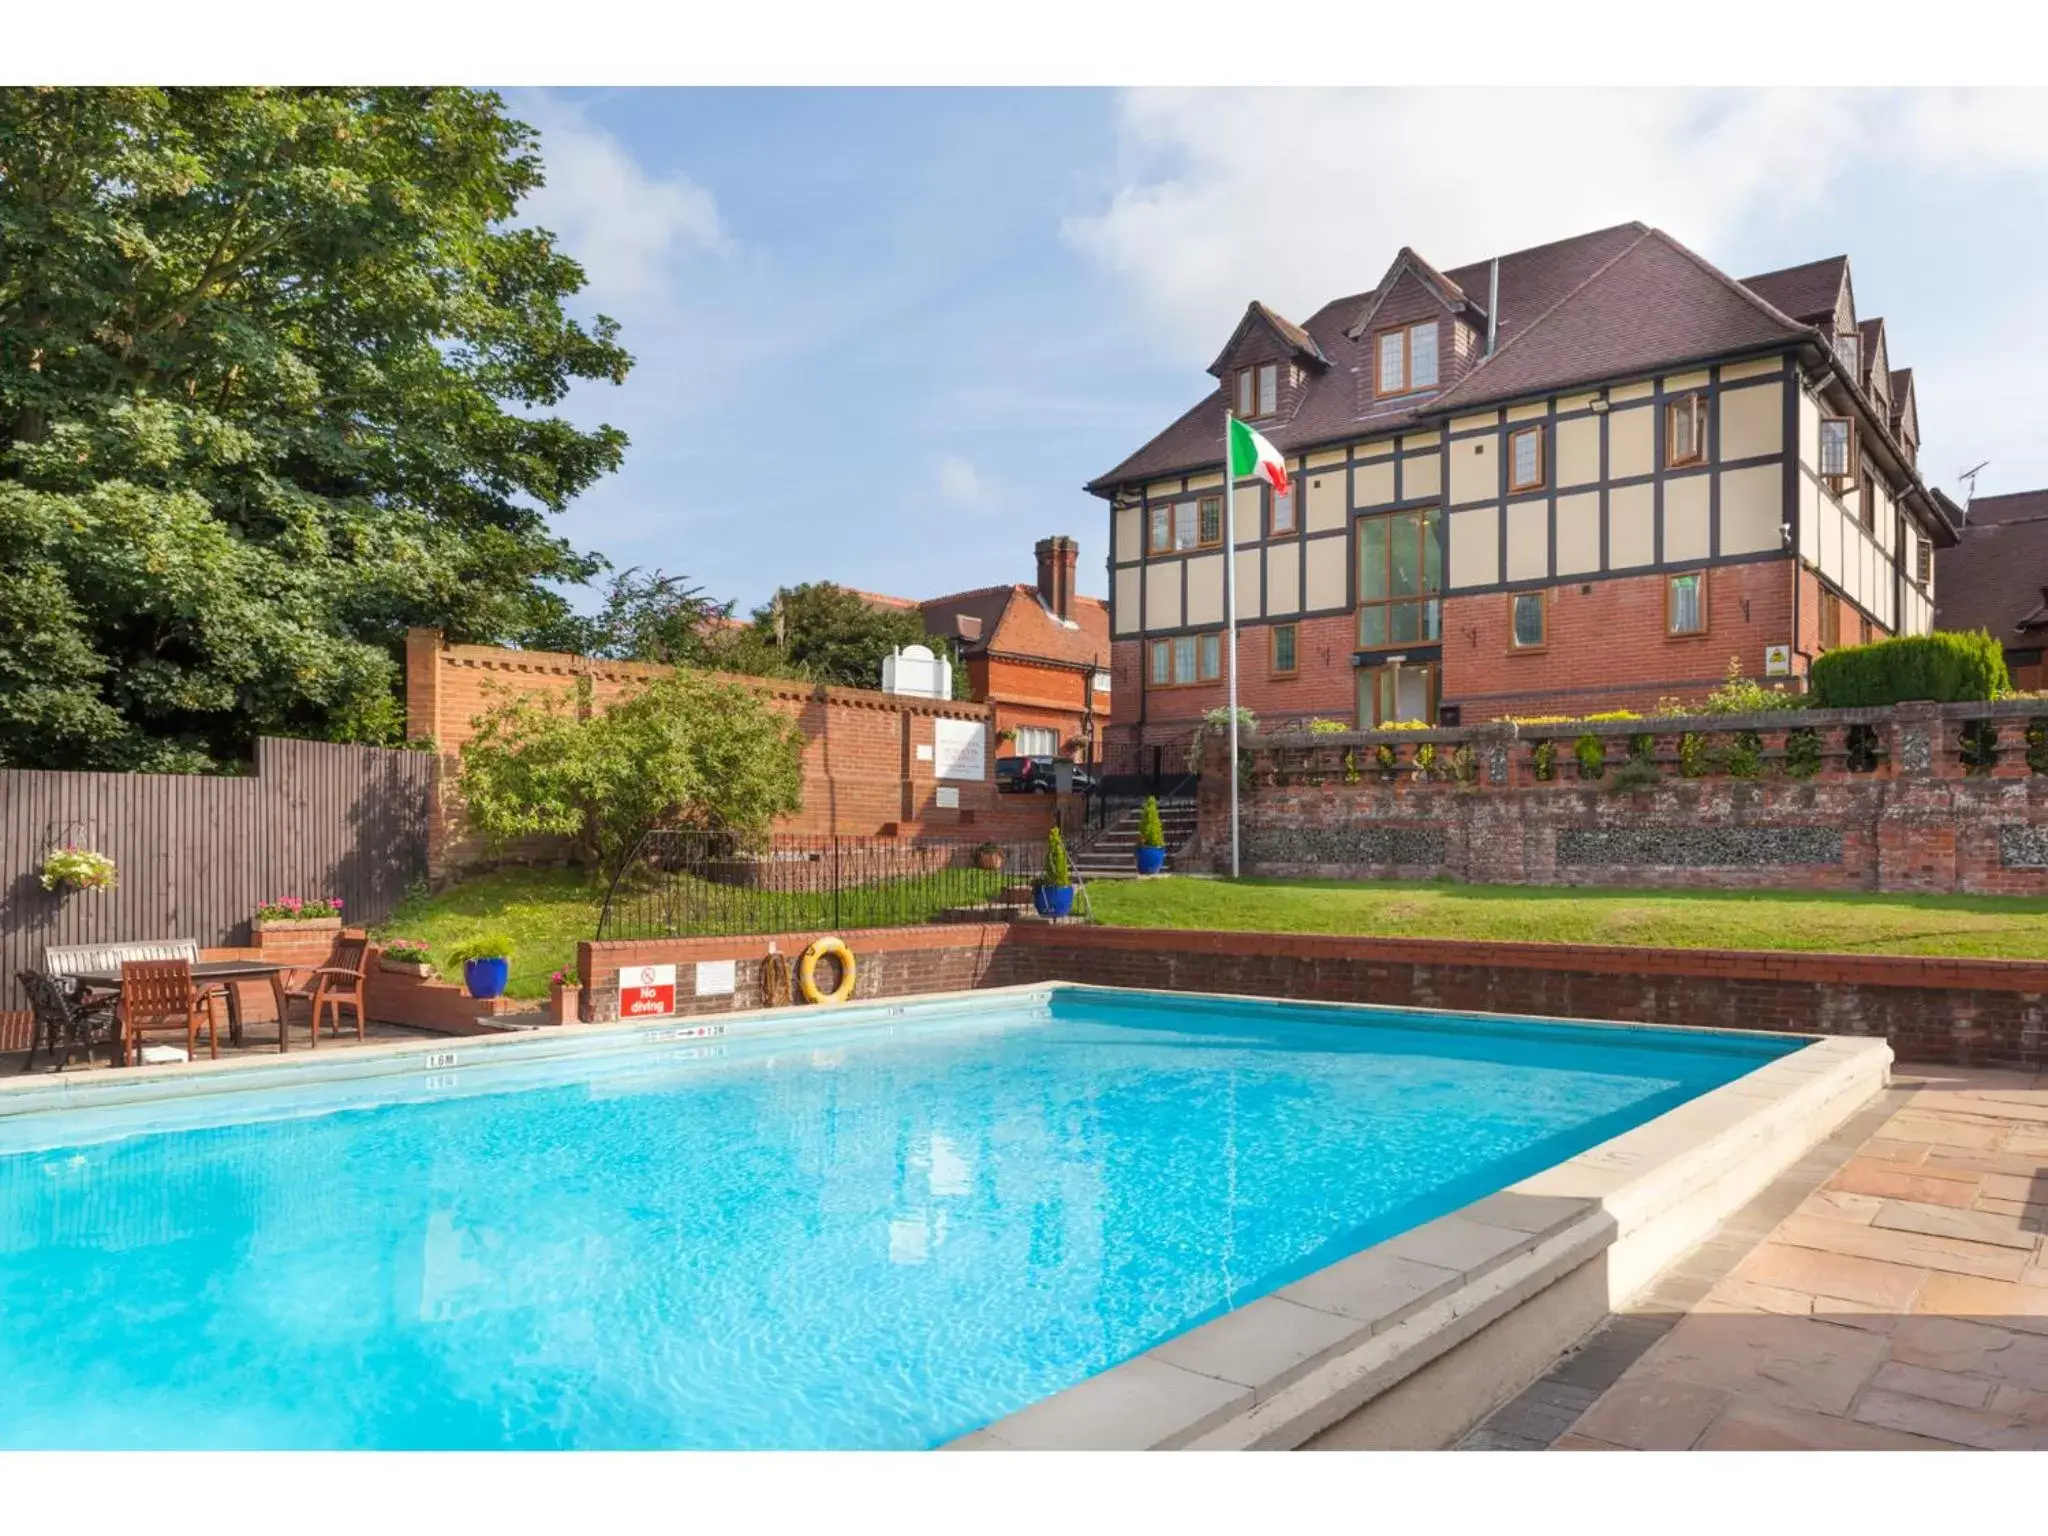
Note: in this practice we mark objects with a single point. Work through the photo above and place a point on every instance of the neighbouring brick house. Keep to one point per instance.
(1567, 479)
(1996, 579)
(1038, 654)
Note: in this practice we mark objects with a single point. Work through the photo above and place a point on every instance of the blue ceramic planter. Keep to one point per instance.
(1151, 860)
(486, 978)
(1053, 900)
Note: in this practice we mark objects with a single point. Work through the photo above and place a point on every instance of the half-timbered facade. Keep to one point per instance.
(1574, 478)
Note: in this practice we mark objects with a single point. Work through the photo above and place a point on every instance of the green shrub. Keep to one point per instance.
(1150, 833)
(1802, 753)
(1591, 751)
(1636, 773)
(1056, 869)
(1544, 759)
(482, 946)
(1739, 695)
(1947, 667)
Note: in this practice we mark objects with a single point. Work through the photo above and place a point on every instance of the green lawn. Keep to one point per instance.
(2007, 926)
(545, 912)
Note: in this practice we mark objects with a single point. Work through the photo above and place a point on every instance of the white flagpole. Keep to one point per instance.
(1230, 621)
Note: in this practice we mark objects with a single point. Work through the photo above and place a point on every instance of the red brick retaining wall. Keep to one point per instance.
(868, 765)
(1962, 1012)
(888, 962)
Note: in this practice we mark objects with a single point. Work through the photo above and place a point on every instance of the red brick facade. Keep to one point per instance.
(1606, 648)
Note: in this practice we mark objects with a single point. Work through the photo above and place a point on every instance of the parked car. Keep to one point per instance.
(1036, 775)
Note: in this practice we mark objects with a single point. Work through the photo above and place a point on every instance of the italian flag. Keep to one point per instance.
(1251, 454)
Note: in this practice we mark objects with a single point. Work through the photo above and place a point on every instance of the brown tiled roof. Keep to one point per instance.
(1654, 304)
(1329, 409)
(1028, 630)
(1807, 293)
(1617, 300)
(2009, 508)
(1996, 578)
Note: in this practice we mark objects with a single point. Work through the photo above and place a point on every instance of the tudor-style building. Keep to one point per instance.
(1573, 478)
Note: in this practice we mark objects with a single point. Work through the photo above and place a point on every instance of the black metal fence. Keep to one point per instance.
(1127, 775)
(715, 884)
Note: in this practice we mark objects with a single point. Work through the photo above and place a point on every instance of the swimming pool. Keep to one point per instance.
(884, 1234)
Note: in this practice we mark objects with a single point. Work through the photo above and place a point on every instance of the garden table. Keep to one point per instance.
(227, 974)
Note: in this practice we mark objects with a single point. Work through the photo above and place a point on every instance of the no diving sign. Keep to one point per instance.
(647, 991)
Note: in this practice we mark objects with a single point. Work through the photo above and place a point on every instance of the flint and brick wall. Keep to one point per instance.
(1915, 818)
(864, 774)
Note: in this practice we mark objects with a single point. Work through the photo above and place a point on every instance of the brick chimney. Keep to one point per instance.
(1057, 558)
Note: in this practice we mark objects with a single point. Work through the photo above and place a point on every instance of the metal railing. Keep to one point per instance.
(679, 884)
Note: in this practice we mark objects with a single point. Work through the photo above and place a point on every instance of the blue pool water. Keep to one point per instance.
(884, 1236)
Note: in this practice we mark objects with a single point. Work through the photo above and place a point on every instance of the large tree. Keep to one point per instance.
(828, 634)
(276, 378)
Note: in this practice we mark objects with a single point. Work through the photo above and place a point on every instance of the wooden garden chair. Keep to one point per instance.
(330, 987)
(157, 996)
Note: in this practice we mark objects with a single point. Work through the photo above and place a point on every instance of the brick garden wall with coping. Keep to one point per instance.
(1866, 800)
(868, 765)
(1934, 1010)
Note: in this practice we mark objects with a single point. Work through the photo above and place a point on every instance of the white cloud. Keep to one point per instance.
(1297, 197)
(624, 225)
(961, 485)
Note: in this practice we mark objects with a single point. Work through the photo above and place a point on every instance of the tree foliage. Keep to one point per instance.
(276, 379)
(653, 616)
(686, 751)
(827, 634)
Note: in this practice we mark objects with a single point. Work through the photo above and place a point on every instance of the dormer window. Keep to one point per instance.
(1406, 359)
(1258, 391)
(1849, 353)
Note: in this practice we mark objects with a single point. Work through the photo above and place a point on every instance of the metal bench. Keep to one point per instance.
(65, 961)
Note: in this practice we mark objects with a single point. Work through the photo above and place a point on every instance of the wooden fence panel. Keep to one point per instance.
(196, 854)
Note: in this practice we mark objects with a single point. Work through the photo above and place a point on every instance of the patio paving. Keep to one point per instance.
(1890, 1292)
(259, 1038)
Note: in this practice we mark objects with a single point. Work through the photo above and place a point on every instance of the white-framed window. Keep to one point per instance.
(1037, 741)
(1100, 682)
(1526, 618)
(1850, 352)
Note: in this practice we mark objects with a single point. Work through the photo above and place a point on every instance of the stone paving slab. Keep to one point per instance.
(1889, 1293)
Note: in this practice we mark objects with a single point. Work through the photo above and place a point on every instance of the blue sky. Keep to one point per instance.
(883, 337)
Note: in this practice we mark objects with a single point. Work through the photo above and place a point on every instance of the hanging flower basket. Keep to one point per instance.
(72, 868)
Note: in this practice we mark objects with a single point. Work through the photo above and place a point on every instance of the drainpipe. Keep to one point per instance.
(1492, 304)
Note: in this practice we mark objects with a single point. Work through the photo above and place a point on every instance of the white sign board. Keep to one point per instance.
(1777, 661)
(647, 991)
(959, 749)
(717, 978)
(946, 797)
(924, 752)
